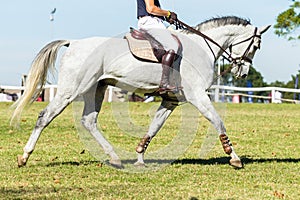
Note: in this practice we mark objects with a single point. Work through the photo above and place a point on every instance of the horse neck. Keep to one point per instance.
(225, 36)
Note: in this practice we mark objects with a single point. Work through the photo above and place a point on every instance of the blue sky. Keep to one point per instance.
(26, 28)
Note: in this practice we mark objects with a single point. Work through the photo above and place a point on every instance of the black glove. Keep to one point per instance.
(172, 18)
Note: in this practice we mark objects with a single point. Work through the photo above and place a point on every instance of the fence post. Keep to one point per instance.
(110, 94)
(51, 93)
(273, 95)
(217, 93)
(217, 90)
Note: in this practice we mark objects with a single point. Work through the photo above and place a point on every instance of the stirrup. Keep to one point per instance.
(168, 88)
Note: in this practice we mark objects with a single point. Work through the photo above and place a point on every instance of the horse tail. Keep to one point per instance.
(37, 76)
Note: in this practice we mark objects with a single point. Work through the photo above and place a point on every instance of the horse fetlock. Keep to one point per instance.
(227, 146)
(112, 154)
(21, 161)
(142, 146)
(117, 163)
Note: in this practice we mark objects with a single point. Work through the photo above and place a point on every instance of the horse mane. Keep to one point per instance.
(221, 21)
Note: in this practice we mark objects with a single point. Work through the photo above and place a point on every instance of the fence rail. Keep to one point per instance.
(274, 99)
(215, 90)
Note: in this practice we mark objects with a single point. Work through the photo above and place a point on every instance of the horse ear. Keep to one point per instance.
(264, 29)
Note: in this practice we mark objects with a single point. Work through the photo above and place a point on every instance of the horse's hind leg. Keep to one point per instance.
(92, 104)
(161, 115)
(203, 104)
(55, 107)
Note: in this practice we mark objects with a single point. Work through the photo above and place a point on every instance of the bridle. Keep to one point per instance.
(244, 56)
(237, 61)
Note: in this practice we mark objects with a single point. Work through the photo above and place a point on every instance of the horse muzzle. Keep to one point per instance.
(240, 69)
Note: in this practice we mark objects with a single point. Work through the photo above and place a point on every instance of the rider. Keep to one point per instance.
(150, 19)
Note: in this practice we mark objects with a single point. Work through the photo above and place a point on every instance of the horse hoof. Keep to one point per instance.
(139, 164)
(116, 164)
(21, 161)
(237, 163)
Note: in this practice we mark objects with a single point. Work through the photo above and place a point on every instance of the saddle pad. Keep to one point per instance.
(141, 49)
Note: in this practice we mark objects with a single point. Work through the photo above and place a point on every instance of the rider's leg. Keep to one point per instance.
(170, 45)
(167, 65)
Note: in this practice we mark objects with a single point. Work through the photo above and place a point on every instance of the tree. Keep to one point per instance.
(254, 76)
(288, 22)
(277, 84)
(291, 84)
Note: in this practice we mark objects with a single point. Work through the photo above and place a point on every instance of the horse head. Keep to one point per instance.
(243, 51)
(233, 33)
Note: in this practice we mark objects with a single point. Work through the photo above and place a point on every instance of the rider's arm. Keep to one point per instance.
(154, 10)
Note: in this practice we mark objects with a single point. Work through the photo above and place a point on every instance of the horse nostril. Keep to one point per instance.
(244, 75)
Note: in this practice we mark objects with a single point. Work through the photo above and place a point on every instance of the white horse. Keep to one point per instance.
(89, 65)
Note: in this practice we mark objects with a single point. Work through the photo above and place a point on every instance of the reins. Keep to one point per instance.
(238, 61)
(182, 25)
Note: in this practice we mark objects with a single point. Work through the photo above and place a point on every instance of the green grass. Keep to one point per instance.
(266, 136)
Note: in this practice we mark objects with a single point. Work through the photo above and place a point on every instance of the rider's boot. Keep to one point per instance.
(167, 64)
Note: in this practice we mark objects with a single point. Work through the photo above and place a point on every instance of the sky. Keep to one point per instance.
(26, 28)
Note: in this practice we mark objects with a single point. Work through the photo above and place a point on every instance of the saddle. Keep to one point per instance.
(144, 47)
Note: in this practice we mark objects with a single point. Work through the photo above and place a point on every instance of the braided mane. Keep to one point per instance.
(221, 21)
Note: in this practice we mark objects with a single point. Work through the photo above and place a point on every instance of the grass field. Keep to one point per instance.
(265, 136)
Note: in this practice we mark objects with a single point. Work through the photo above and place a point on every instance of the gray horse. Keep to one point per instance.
(89, 65)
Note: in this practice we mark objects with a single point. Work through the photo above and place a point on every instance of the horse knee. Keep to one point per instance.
(41, 120)
(88, 122)
(83, 122)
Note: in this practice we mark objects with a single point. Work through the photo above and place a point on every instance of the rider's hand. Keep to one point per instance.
(172, 17)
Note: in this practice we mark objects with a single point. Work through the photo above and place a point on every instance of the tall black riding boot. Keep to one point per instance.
(167, 64)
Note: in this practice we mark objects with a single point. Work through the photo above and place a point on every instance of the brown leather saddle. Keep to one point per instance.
(144, 47)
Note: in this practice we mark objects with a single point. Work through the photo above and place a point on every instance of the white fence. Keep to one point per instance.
(216, 91)
(18, 89)
(220, 90)
(50, 88)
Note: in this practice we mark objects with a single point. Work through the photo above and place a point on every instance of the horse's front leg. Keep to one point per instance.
(204, 105)
(161, 115)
